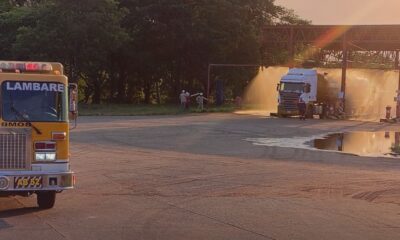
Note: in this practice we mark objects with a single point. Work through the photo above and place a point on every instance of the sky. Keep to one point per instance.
(346, 11)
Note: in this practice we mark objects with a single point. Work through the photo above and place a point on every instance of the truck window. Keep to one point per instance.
(33, 101)
(292, 87)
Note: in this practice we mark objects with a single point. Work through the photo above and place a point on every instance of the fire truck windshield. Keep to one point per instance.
(33, 101)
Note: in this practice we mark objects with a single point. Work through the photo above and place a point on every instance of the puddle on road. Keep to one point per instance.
(361, 143)
(370, 144)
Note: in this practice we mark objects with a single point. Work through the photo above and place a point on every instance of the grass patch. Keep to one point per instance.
(143, 110)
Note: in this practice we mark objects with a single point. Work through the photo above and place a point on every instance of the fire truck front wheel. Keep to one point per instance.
(46, 200)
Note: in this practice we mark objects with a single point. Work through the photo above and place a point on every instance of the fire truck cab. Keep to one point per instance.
(34, 130)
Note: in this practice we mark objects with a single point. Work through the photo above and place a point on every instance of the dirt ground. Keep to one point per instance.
(195, 177)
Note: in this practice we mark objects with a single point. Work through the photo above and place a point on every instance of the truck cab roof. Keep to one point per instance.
(299, 75)
(302, 71)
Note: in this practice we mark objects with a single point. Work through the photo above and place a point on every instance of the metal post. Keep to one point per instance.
(208, 81)
(398, 87)
(344, 70)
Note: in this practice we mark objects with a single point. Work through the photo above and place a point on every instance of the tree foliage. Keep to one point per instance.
(130, 51)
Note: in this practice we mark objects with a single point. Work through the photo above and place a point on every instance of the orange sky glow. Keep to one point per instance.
(346, 11)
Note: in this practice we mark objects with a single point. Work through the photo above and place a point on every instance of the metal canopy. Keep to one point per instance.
(334, 37)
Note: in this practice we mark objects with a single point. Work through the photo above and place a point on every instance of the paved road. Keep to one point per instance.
(194, 177)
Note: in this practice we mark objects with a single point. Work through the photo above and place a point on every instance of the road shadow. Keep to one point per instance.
(18, 212)
(14, 213)
(4, 225)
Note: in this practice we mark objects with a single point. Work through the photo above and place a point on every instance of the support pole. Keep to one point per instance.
(208, 81)
(398, 87)
(344, 71)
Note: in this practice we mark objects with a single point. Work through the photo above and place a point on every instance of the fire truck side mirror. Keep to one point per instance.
(73, 103)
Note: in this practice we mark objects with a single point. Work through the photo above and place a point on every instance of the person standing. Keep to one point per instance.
(200, 101)
(187, 95)
(301, 105)
(304, 100)
(182, 99)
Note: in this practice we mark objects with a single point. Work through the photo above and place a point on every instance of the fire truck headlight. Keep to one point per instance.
(50, 156)
(39, 157)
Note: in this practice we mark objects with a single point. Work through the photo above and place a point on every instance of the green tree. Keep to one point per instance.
(176, 40)
(140, 51)
(82, 34)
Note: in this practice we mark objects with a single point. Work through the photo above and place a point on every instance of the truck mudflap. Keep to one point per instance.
(33, 181)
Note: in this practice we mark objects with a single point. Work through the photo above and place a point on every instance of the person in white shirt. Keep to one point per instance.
(183, 99)
(301, 105)
(304, 100)
(305, 97)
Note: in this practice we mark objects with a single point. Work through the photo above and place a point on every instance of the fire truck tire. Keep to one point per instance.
(46, 200)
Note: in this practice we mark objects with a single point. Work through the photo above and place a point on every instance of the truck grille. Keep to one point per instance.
(290, 100)
(13, 150)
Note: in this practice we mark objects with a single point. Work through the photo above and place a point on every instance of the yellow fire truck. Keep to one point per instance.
(36, 107)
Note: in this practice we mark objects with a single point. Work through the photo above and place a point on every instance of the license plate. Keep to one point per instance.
(28, 182)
